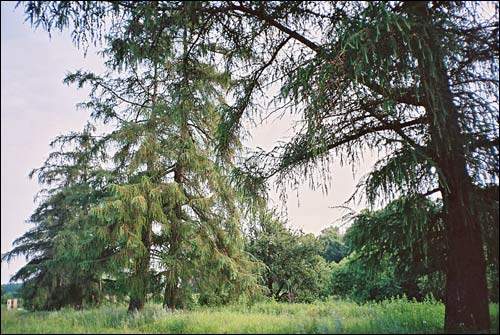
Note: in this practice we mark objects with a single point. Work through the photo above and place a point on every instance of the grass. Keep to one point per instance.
(392, 316)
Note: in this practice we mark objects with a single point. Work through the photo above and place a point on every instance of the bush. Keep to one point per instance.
(351, 279)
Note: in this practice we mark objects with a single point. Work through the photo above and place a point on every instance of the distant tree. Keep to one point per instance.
(406, 236)
(294, 270)
(335, 249)
(352, 279)
(11, 287)
(10, 291)
(64, 266)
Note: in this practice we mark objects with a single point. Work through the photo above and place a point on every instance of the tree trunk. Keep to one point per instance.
(172, 287)
(270, 285)
(171, 297)
(136, 304)
(138, 294)
(76, 292)
(140, 282)
(466, 297)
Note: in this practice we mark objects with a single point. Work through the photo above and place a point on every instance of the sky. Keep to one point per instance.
(36, 107)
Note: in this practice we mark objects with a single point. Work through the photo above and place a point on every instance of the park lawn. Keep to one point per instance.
(335, 316)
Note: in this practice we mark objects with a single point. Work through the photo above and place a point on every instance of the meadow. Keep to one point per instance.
(335, 316)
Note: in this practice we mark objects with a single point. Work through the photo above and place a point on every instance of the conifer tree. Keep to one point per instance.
(64, 266)
(165, 108)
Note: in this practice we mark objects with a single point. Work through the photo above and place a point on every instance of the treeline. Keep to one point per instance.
(394, 251)
(10, 291)
(10, 288)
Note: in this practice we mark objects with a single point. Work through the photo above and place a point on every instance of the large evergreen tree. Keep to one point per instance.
(415, 81)
(64, 264)
(165, 105)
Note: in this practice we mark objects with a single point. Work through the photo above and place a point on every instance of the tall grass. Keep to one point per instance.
(391, 316)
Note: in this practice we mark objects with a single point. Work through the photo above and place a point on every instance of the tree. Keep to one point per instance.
(351, 278)
(409, 236)
(335, 249)
(294, 270)
(416, 80)
(164, 104)
(64, 258)
(419, 80)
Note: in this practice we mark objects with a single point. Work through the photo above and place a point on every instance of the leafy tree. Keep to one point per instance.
(408, 235)
(335, 249)
(10, 288)
(351, 278)
(10, 291)
(294, 270)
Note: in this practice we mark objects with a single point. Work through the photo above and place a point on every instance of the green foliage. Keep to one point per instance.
(335, 248)
(294, 270)
(408, 234)
(397, 250)
(353, 280)
(9, 295)
(10, 288)
(384, 264)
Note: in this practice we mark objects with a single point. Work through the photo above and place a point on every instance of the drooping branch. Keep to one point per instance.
(297, 157)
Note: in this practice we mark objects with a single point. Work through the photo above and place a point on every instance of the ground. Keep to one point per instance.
(334, 316)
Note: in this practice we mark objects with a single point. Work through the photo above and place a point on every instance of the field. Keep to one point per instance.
(392, 316)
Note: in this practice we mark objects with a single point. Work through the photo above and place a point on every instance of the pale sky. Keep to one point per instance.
(36, 107)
